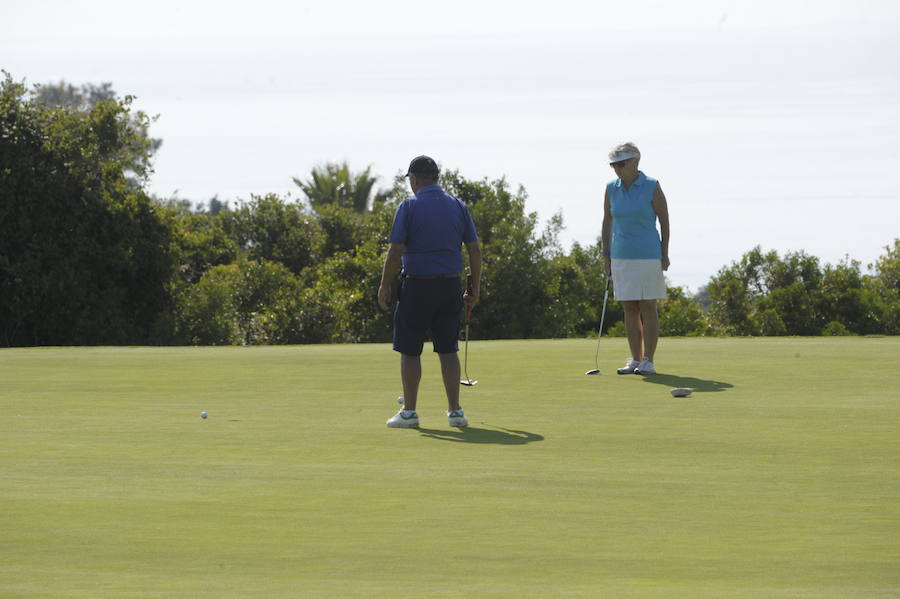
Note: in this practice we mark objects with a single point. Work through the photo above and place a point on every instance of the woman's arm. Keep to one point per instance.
(662, 213)
(606, 233)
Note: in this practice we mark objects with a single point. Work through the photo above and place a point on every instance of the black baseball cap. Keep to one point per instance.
(423, 165)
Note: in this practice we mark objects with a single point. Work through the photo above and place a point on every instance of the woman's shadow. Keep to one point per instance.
(699, 385)
(471, 434)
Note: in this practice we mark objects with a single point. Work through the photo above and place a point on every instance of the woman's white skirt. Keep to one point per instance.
(638, 279)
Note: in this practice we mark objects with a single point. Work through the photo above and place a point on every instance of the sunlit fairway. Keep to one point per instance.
(778, 477)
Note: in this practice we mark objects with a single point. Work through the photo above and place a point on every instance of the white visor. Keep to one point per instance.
(619, 156)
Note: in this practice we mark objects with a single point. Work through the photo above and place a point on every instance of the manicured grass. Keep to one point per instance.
(779, 477)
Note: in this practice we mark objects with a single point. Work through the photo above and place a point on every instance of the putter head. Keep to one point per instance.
(468, 383)
(595, 371)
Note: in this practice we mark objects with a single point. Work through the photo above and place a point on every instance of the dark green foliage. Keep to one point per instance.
(883, 290)
(335, 255)
(202, 243)
(67, 96)
(342, 229)
(244, 303)
(731, 304)
(529, 288)
(326, 263)
(764, 294)
(342, 300)
(86, 257)
(680, 316)
(590, 263)
(270, 229)
(84, 254)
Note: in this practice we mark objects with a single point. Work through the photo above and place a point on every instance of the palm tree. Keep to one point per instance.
(335, 184)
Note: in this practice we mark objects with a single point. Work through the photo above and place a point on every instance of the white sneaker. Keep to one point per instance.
(404, 419)
(457, 418)
(645, 367)
(629, 368)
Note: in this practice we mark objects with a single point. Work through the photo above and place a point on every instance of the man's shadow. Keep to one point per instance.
(471, 434)
(698, 385)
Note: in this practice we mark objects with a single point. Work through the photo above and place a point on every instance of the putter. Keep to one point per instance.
(468, 382)
(600, 332)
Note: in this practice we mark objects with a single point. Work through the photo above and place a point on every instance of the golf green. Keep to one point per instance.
(778, 477)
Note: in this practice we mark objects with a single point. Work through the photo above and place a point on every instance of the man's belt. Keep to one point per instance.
(450, 276)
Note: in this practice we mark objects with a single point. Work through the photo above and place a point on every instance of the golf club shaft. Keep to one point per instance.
(466, 353)
(468, 307)
(600, 331)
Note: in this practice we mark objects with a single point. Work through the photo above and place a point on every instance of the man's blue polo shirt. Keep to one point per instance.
(432, 225)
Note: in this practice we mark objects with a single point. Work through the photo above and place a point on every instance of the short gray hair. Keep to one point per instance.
(624, 151)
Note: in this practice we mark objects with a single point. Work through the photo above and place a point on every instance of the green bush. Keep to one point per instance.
(85, 255)
(680, 316)
(617, 330)
(245, 303)
(835, 329)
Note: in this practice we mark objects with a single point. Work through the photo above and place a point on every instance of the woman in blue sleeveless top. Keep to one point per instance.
(635, 253)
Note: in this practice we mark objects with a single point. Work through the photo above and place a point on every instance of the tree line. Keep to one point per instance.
(88, 256)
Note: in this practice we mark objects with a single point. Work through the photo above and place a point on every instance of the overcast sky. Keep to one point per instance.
(767, 122)
(206, 19)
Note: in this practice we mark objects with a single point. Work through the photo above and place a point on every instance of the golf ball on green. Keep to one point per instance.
(203, 414)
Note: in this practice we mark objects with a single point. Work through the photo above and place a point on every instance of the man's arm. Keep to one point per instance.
(392, 264)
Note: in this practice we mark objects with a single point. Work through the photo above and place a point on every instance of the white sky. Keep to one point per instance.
(767, 122)
(165, 19)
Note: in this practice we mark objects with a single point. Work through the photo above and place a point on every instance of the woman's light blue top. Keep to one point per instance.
(634, 234)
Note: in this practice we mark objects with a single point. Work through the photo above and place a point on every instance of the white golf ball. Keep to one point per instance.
(400, 400)
(203, 414)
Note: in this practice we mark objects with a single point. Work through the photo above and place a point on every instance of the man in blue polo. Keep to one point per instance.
(426, 239)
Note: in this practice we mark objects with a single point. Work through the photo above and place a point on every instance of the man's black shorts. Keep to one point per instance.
(428, 305)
